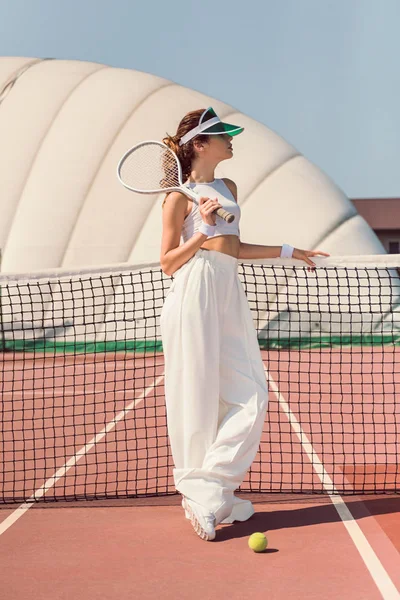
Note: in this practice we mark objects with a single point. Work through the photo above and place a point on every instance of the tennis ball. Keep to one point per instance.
(258, 542)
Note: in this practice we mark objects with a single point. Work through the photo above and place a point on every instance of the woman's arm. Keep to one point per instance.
(250, 251)
(173, 256)
(255, 251)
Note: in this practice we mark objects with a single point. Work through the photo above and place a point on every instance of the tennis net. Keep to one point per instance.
(82, 413)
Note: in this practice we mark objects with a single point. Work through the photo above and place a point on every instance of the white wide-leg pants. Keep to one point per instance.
(215, 386)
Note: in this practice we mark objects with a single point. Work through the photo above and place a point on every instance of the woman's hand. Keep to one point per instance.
(207, 209)
(306, 256)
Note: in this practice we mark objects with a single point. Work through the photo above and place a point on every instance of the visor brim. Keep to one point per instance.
(221, 128)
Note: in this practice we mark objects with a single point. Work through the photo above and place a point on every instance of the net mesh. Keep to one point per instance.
(82, 411)
(149, 168)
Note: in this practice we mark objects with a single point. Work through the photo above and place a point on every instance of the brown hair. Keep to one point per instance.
(186, 152)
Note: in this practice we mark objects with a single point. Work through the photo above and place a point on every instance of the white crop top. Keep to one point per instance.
(216, 189)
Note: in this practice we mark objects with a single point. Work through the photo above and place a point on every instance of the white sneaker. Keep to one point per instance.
(203, 522)
(241, 511)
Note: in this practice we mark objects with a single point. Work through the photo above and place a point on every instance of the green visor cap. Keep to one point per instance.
(216, 127)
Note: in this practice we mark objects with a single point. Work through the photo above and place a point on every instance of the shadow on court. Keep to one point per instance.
(301, 511)
(270, 520)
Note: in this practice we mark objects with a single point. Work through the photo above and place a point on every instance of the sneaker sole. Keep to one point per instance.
(195, 523)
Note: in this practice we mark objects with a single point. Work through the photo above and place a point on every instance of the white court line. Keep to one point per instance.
(40, 492)
(378, 573)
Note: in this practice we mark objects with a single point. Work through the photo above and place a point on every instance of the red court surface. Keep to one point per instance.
(319, 547)
(129, 551)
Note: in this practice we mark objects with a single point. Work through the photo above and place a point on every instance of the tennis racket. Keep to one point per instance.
(151, 168)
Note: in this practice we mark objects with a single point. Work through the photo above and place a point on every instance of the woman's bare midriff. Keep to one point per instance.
(227, 244)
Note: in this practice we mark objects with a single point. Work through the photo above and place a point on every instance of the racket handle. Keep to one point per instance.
(224, 214)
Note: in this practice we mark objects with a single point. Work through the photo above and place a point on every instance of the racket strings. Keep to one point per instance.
(171, 171)
(150, 167)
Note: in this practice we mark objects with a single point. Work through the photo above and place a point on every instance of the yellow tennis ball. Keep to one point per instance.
(258, 542)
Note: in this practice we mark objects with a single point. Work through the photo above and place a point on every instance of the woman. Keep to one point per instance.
(215, 386)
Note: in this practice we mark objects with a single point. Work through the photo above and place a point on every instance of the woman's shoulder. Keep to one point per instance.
(232, 187)
(177, 201)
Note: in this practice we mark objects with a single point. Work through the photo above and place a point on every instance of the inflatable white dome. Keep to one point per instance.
(64, 125)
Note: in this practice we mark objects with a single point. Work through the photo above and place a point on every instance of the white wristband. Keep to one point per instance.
(206, 229)
(287, 251)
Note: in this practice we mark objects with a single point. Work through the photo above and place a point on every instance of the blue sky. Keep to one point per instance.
(324, 74)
